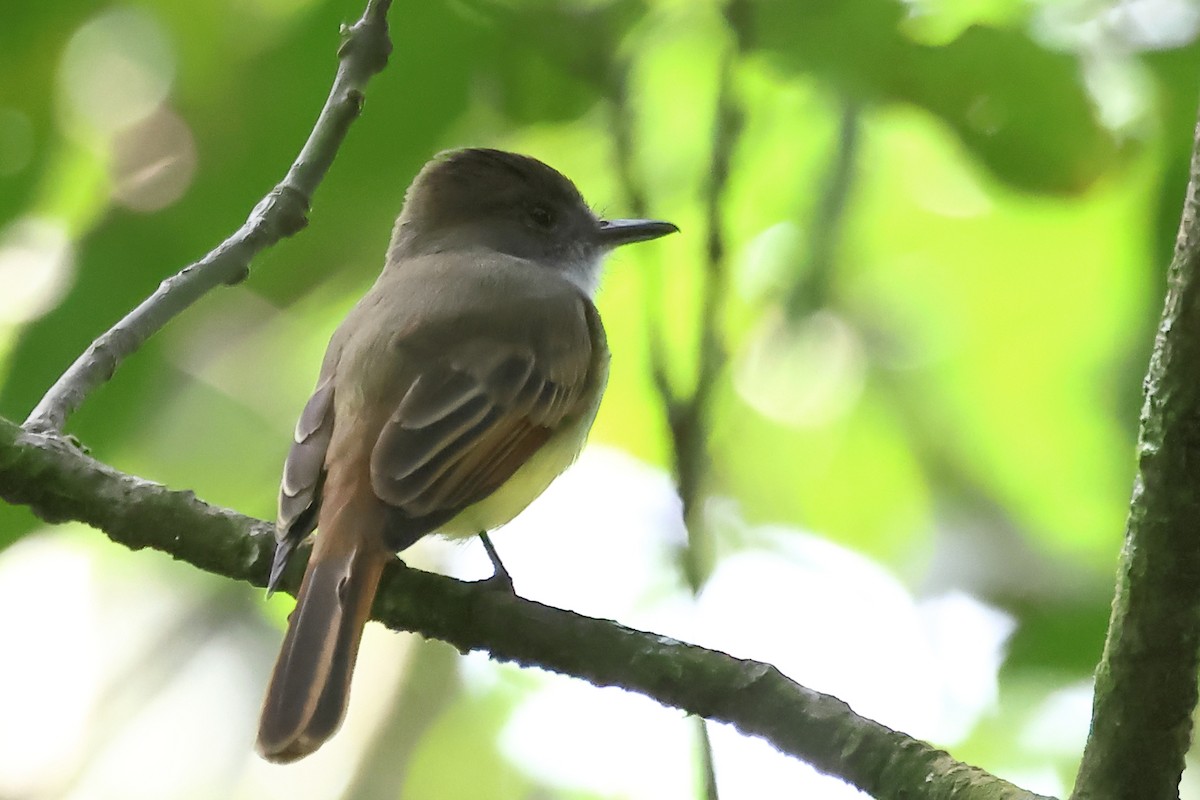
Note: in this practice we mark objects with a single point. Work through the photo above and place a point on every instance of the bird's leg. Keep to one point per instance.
(500, 578)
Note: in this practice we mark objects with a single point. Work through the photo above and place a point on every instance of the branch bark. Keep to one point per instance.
(1146, 681)
(58, 482)
(283, 212)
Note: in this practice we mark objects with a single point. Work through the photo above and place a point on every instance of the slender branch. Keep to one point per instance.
(427, 687)
(60, 483)
(688, 416)
(690, 423)
(283, 212)
(1146, 680)
(811, 290)
(635, 199)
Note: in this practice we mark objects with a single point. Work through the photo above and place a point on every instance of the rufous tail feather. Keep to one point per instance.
(306, 698)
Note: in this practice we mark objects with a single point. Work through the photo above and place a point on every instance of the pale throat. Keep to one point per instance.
(583, 270)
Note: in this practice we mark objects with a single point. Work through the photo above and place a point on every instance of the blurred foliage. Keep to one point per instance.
(958, 402)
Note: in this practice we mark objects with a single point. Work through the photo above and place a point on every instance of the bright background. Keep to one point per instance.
(922, 443)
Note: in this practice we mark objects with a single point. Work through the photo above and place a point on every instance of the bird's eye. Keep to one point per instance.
(542, 217)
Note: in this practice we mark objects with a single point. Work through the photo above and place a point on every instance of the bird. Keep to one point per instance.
(457, 388)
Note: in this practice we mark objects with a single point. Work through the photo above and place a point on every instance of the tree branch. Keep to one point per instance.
(811, 291)
(58, 482)
(688, 416)
(283, 212)
(1146, 681)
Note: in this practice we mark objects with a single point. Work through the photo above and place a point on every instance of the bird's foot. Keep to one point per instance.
(500, 580)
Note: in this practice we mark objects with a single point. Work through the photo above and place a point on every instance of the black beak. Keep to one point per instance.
(614, 232)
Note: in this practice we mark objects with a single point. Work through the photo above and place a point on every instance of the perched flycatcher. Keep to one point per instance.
(451, 396)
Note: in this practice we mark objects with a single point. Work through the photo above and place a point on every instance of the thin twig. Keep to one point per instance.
(58, 482)
(635, 200)
(811, 290)
(283, 212)
(688, 416)
(1146, 681)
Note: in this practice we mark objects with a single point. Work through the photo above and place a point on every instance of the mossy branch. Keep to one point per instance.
(1146, 681)
(59, 482)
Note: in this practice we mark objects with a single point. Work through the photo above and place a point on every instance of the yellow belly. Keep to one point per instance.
(529, 481)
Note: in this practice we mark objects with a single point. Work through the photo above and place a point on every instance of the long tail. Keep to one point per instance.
(306, 699)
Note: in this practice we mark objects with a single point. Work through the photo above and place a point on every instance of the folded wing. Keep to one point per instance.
(466, 425)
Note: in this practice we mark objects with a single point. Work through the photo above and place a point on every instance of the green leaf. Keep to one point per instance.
(1020, 108)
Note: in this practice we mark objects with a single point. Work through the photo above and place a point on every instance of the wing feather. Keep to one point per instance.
(432, 443)
(480, 411)
(474, 476)
(303, 476)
